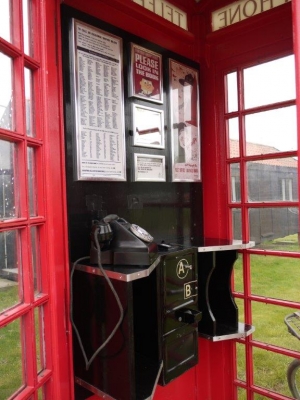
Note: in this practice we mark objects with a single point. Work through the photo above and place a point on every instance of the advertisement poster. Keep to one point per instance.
(149, 168)
(145, 74)
(100, 133)
(184, 111)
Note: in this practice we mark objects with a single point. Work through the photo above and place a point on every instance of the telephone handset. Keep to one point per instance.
(122, 243)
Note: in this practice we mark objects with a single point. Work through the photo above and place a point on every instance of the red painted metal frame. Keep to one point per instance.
(214, 376)
(247, 296)
(56, 377)
(296, 31)
(55, 191)
(137, 20)
(221, 53)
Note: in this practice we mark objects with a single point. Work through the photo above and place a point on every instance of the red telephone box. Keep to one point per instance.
(227, 50)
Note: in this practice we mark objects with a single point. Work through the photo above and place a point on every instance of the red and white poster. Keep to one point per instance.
(184, 112)
(146, 74)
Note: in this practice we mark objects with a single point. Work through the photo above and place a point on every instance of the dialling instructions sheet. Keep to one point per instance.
(100, 139)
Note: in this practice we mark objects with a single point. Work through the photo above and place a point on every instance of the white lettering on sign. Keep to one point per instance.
(165, 10)
(241, 10)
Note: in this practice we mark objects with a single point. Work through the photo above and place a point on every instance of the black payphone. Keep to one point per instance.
(121, 243)
(157, 339)
(178, 313)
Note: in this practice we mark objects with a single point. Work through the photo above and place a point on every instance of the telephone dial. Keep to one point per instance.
(121, 243)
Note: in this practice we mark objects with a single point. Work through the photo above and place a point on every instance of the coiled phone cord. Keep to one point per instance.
(88, 362)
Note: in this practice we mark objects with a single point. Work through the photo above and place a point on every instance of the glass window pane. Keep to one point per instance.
(232, 93)
(29, 102)
(235, 182)
(275, 277)
(39, 338)
(11, 365)
(275, 228)
(32, 195)
(273, 180)
(40, 394)
(6, 93)
(270, 371)
(236, 216)
(242, 394)
(8, 200)
(238, 280)
(268, 320)
(233, 131)
(270, 82)
(11, 287)
(240, 306)
(5, 20)
(271, 131)
(241, 362)
(45, 392)
(35, 256)
(27, 29)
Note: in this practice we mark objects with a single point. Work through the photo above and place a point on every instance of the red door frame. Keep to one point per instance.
(55, 189)
(236, 42)
(49, 190)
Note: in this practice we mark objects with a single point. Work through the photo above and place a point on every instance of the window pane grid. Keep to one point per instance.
(21, 201)
(263, 201)
(255, 174)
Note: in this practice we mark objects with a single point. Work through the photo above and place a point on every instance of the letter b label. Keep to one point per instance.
(187, 290)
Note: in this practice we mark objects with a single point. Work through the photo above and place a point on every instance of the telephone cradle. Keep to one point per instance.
(121, 243)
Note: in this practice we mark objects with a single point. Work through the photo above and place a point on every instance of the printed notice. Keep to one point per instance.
(100, 109)
(149, 168)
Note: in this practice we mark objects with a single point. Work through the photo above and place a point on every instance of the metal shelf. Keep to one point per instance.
(243, 331)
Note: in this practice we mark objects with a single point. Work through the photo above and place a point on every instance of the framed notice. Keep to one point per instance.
(145, 80)
(149, 168)
(148, 127)
(98, 97)
(184, 115)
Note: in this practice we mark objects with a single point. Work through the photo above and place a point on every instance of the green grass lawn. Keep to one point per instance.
(271, 277)
(11, 378)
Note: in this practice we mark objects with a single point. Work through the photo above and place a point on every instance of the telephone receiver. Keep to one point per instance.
(121, 242)
(104, 231)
